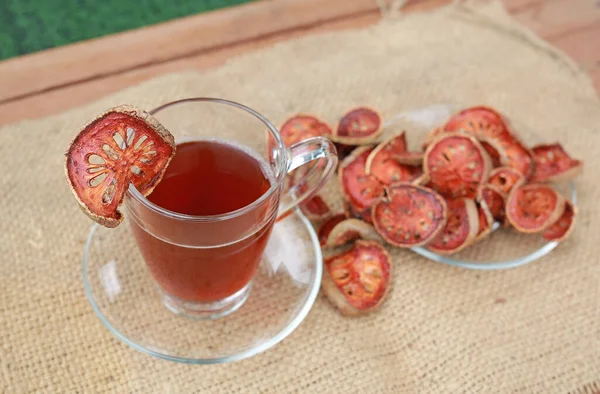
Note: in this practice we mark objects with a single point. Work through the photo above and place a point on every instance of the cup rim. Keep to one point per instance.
(282, 162)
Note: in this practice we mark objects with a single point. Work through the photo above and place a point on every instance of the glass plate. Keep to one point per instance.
(125, 297)
(503, 241)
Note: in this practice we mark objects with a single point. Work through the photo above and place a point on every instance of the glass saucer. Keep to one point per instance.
(126, 299)
(517, 249)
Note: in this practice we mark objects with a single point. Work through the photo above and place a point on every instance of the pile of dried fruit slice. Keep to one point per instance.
(122, 146)
(473, 171)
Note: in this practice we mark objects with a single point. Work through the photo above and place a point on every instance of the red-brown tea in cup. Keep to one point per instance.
(208, 177)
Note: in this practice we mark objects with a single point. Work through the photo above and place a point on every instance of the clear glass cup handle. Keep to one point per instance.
(306, 184)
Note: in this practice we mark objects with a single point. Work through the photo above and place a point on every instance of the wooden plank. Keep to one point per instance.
(160, 43)
(554, 18)
(57, 100)
(582, 45)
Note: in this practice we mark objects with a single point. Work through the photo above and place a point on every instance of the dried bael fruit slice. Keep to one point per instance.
(482, 122)
(350, 230)
(411, 216)
(359, 189)
(461, 228)
(357, 281)
(432, 135)
(382, 165)
(343, 150)
(124, 145)
(563, 226)
(489, 126)
(533, 208)
(301, 127)
(409, 158)
(486, 221)
(504, 178)
(494, 199)
(316, 209)
(492, 153)
(359, 126)
(553, 164)
(353, 212)
(328, 225)
(456, 165)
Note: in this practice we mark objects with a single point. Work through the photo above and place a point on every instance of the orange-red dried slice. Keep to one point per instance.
(359, 126)
(409, 158)
(504, 178)
(432, 135)
(327, 226)
(492, 153)
(353, 212)
(357, 281)
(478, 121)
(486, 221)
(381, 162)
(359, 189)
(316, 209)
(350, 230)
(563, 227)
(456, 165)
(122, 146)
(494, 199)
(553, 164)
(411, 216)
(489, 126)
(301, 127)
(533, 208)
(461, 227)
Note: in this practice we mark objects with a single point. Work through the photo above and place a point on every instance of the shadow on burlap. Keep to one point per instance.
(531, 329)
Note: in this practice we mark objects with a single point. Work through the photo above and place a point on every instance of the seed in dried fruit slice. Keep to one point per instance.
(494, 199)
(456, 165)
(357, 281)
(350, 230)
(533, 208)
(316, 209)
(382, 165)
(359, 126)
(504, 178)
(411, 216)
(328, 225)
(553, 164)
(122, 146)
(301, 127)
(353, 212)
(486, 221)
(360, 189)
(461, 228)
(563, 227)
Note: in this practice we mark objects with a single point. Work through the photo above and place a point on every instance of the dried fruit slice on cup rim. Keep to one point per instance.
(460, 230)
(534, 207)
(410, 216)
(359, 126)
(456, 164)
(122, 146)
(356, 281)
(553, 164)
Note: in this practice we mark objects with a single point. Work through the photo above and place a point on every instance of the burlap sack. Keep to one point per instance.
(531, 329)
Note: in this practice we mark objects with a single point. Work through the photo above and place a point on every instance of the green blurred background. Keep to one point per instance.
(31, 25)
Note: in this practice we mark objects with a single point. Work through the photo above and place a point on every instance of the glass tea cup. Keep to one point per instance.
(204, 264)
